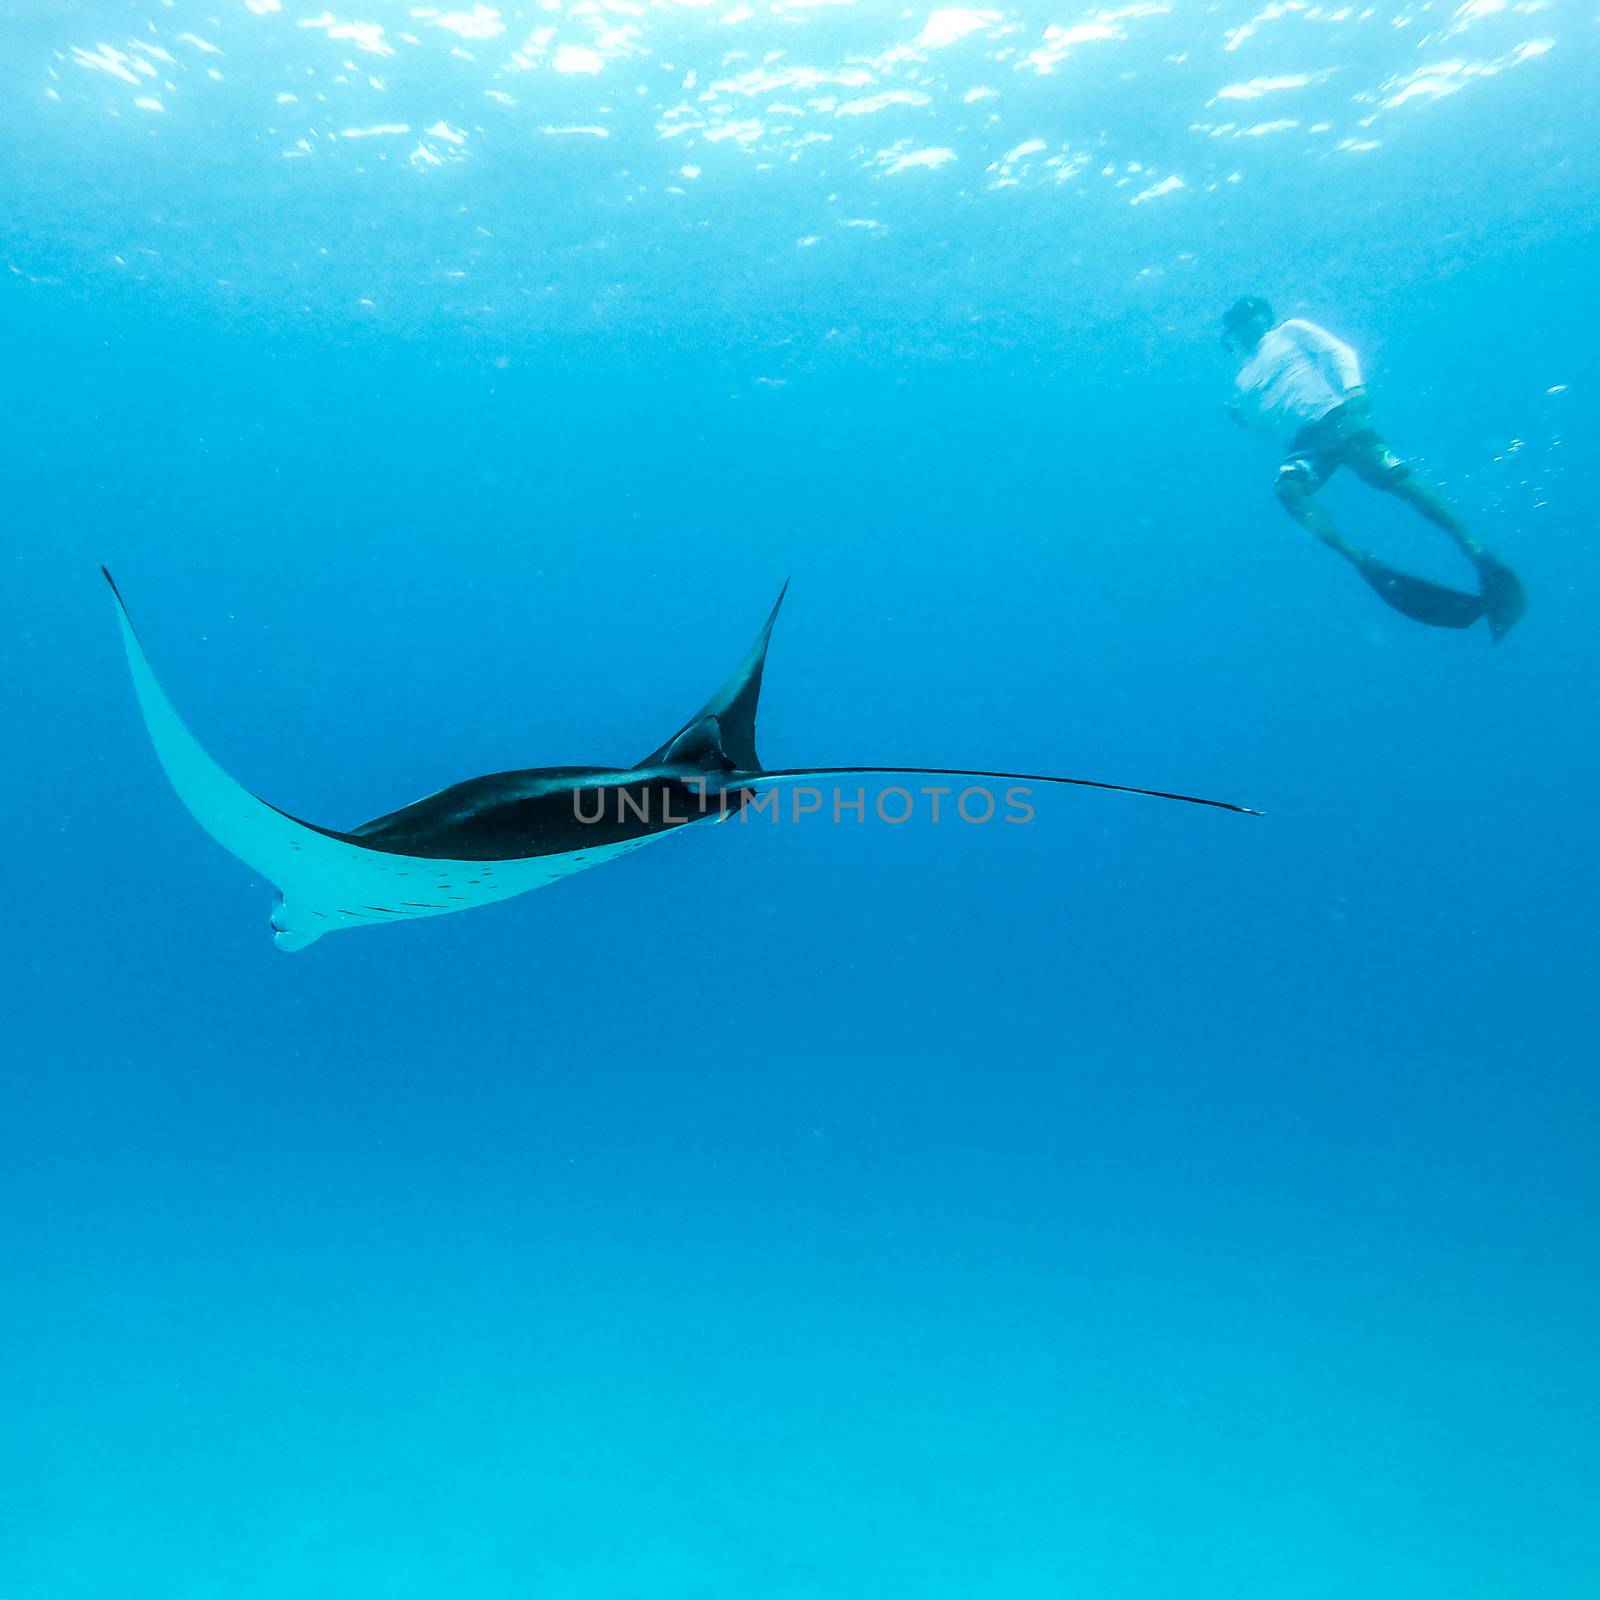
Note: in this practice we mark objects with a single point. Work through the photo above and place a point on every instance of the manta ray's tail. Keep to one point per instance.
(721, 735)
(719, 740)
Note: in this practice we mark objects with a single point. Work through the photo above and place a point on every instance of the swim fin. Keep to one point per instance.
(1504, 598)
(1423, 601)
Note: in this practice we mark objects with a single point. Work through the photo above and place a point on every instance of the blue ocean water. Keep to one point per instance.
(1145, 1201)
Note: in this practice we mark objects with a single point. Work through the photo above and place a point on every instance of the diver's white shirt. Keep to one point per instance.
(1297, 375)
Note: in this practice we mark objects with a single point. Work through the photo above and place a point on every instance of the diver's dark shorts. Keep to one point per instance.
(1343, 438)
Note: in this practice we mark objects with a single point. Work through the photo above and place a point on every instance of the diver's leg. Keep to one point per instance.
(1504, 600)
(1425, 498)
(1413, 597)
(1296, 496)
(1374, 462)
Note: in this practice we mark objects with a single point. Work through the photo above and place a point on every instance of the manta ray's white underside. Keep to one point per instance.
(329, 883)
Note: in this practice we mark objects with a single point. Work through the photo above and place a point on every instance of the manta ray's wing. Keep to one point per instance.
(326, 880)
(275, 844)
(721, 735)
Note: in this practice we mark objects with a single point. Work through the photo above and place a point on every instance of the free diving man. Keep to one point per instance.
(1300, 385)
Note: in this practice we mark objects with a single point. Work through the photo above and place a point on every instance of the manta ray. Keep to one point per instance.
(494, 837)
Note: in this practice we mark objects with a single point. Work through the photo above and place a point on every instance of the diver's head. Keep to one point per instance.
(1246, 323)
